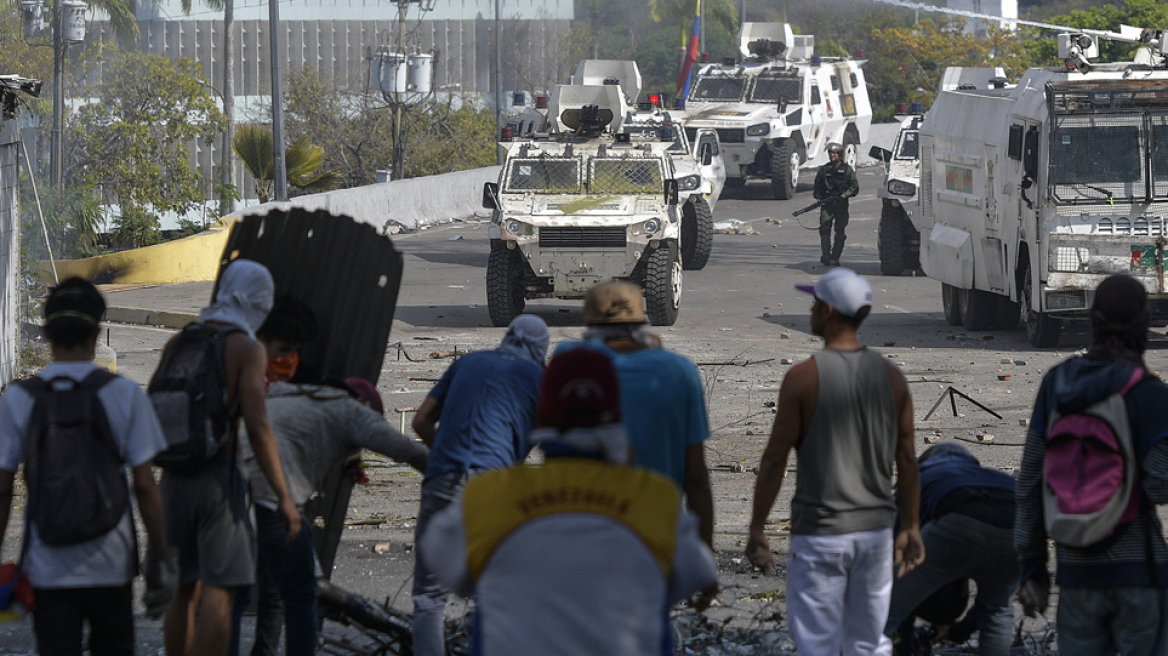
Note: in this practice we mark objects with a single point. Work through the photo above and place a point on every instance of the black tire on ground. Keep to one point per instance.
(735, 183)
(785, 170)
(1158, 322)
(951, 302)
(662, 284)
(1009, 314)
(1042, 330)
(979, 309)
(504, 284)
(697, 234)
(894, 227)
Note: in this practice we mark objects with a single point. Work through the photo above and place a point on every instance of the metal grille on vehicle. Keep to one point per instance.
(544, 174)
(1151, 226)
(578, 237)
(1069, 300)
(731, 135)
(626, 176)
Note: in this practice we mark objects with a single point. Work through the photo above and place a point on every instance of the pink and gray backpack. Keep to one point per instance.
(1090, 472)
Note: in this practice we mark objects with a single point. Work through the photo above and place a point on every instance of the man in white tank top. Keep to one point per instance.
(848, 412)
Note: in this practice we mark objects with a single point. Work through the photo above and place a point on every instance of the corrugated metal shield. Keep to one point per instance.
(344, 270)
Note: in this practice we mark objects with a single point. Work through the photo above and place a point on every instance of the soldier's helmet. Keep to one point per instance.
(836, 148)
(617, 301)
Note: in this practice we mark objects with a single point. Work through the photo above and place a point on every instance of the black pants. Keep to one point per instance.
(837, 217)
(60, 615)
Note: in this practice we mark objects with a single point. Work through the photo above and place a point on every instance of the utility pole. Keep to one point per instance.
(742, 15)
(399, 152)
(596, 29)
(279, 171)
(701, 31)
(498, 79)
(56, 157)
(226, 203)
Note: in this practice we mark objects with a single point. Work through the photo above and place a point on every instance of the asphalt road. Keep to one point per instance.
(742, 321)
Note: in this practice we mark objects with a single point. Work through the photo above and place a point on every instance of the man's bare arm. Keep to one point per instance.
(425, 421)
(149, 505)
(785, 433)
(698, 491)
(909, 548)
(246, 364)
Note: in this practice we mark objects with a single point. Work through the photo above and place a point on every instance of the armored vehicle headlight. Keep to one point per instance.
(514, 227)
(652, 226)
(689, 182)
(901, 188)
(759, 129)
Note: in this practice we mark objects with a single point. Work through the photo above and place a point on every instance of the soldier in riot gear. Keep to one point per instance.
(835, 183)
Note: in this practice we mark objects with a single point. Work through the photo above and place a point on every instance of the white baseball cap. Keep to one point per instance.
(843, 289)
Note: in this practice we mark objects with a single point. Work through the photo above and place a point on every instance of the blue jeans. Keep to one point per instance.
(1106, 621)
(285, 572)
(429, 595)
(958, 547)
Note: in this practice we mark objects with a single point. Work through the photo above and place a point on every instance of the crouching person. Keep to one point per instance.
(582, 555)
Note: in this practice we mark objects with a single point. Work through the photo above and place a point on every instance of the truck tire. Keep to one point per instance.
(1009, 313)
(951, 302)
(894, 226)
(785, 170)
(1042, 330)
(661, 280)
(505, 274)
(697, 234)
(979, 309)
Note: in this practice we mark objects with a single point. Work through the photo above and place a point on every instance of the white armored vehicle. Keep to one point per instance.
(1031, 196)
(589, 192)
(898, 239)
(777, 109)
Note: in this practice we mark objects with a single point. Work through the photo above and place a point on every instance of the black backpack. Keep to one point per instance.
(77, 490)
(189, 393)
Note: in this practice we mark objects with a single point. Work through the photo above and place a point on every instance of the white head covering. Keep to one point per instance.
(246, 291)
(527, 337)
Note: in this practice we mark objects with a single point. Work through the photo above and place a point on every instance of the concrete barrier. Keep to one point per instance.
(408, 204)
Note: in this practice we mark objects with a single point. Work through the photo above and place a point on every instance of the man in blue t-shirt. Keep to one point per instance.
(661, 396)
(477, 417)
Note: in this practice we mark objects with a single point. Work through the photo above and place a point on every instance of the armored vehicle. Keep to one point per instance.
(777, 109)
(589, 192)
(1031, 196)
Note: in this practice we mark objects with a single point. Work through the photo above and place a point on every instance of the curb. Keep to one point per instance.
(176, 320)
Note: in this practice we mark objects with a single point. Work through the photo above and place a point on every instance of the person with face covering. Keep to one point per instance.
(478, 417)
(1113, 596)
(206, 513)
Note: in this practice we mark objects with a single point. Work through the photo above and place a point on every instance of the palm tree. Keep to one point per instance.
(226, 161)
(253, 144)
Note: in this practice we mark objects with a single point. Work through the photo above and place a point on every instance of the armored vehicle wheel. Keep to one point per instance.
(1009, 313)
(951, 301)
(893, 248)
(697, 234)
(785, 170)
(1042, 330)
(662, 284)
(504, 284)
(979, 309)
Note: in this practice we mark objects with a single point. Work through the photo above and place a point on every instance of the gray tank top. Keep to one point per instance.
(844, 476)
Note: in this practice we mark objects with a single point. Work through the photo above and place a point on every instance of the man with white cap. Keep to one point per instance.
(848, 412)
(206, 511)
(583, 554)
(477, 417)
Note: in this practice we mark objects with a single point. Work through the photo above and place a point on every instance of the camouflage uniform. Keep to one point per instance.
(834, 180)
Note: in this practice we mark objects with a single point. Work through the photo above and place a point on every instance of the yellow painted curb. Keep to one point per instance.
(190, 259)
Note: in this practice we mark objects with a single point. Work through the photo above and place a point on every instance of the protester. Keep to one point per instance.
(582, 555)
(967, 515)
(1112, 594)
(477, 417)
(319, 428)
(848, 412)
(662, 402)
(80, 558)
(206, 510)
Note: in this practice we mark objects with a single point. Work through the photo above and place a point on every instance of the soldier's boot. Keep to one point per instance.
(837, 251)
(825, 244)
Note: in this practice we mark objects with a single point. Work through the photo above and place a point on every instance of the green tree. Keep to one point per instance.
(227, 197)
(133, 142)
(254, 145)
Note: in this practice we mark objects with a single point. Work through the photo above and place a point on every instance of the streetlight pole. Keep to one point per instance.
(498, 79)
(279, 171)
